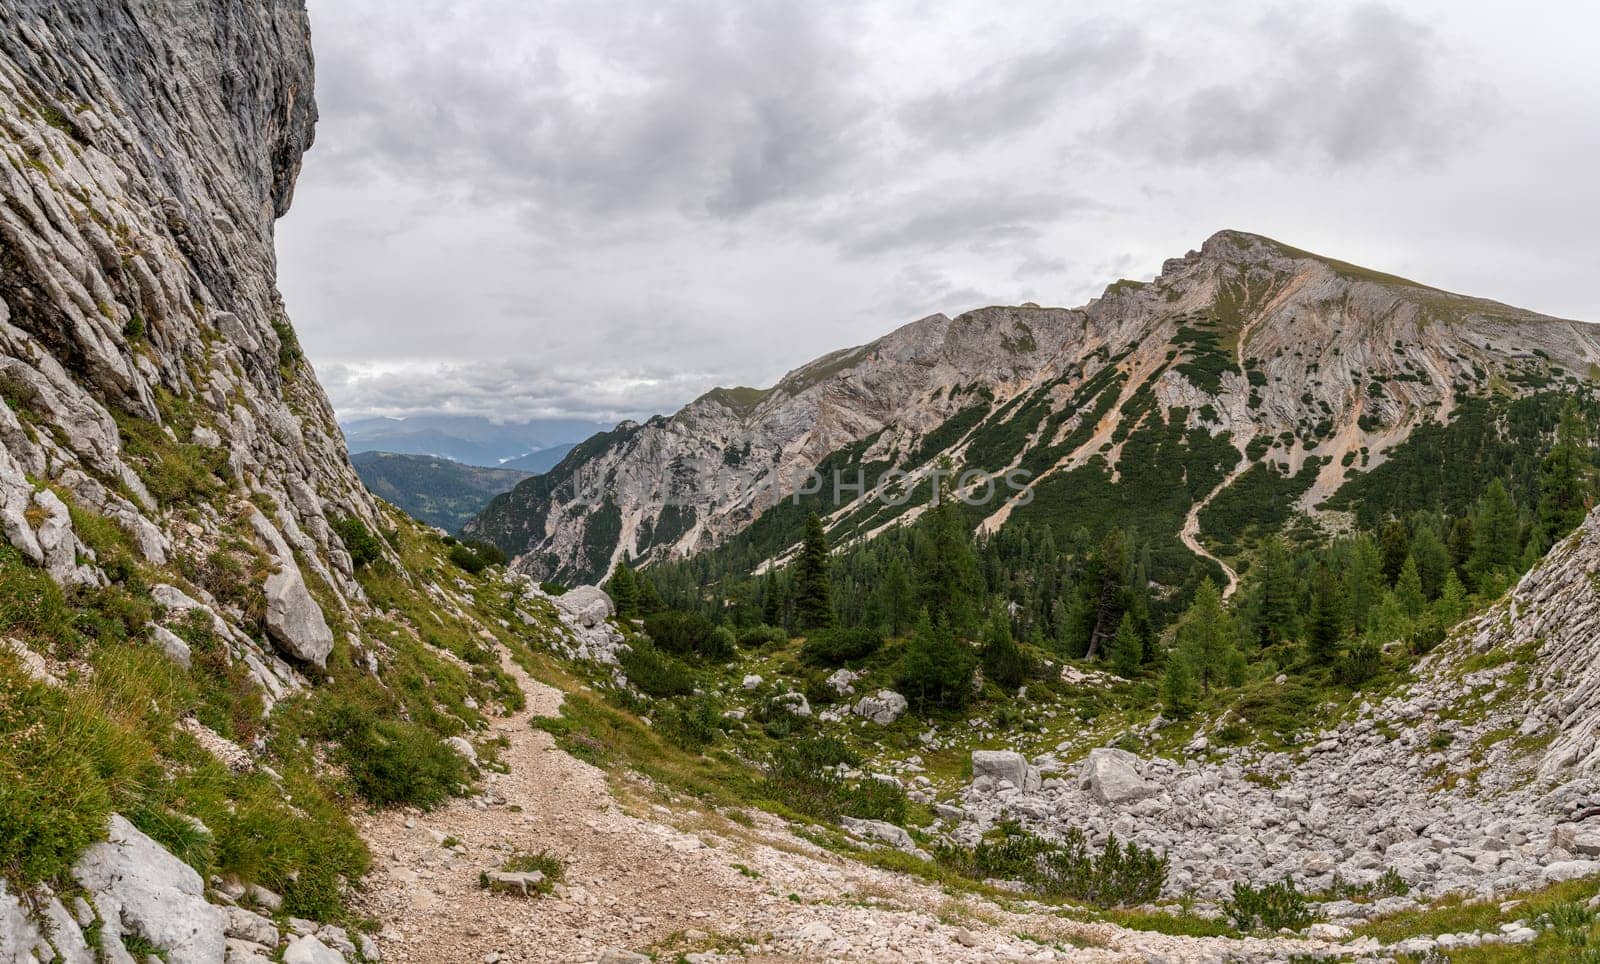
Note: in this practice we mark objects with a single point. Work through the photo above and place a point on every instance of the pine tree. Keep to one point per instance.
(771, 600)
(1178, 689)
(1433, 560)
(624, 592)
(649, 597)
(1497, 540)
(1207, 639)
(1325, 627)
(948, 579)
(1408, 589)
(1394, 546)
(936, 667)
(1126, 651)
(1452, 604)
(1363, 577)
(1565, 489)
(1276, 605)
(898, 601)
(1003, 660)
(1106, 589)
(813, 590)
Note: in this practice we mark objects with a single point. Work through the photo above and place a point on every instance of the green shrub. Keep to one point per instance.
(1118, 875)
(464, 558)
(1359, 663)
(1268, 908)
(836, 647)
(760, 637)
(1427, 634)
(691, 723)
(394, 762)
(803, 774)
(654, 672)
(363, 546)
(688, 634)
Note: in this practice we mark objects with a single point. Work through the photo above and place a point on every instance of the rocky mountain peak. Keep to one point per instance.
(1284, 357)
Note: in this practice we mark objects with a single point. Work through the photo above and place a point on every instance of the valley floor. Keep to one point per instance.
(642, 877)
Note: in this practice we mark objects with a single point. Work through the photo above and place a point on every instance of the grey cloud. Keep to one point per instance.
(706, 109)
(1015, 94)
(976, 216)
(1365, 86)
(521, 389)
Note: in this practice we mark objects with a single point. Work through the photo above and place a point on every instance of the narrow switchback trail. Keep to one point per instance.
(1190, 533)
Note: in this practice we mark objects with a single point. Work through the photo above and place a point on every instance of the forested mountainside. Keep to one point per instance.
(438, 491)
(1247, 383)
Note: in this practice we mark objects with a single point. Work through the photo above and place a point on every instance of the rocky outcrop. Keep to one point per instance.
(1311, 357)
(140, 890)
(152, 380)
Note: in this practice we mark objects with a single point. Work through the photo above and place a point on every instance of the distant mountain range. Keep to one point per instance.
(438, 491)
(534, 445)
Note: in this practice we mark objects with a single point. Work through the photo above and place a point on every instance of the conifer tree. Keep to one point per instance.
(1565, 487)
(771, 600)
(1207, 639)
(649, 597)
(1325, 626)
(1497, 542)
(1178, 689)
(1276, 603)
(898, 601)
(624, 592)
(936, 667)
(1452, 604)
(948, 578)
(1126, 650)
(813, 589)
(1408, 589)
(1003, 660)
(1433, 560)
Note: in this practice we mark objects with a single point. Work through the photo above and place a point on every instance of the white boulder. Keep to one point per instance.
(139, 888)
(1113, 777)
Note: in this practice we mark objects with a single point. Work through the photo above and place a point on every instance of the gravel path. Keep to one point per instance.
(681, 881)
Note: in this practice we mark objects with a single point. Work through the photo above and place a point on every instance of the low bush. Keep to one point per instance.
(1359, 663)
(394, 762)
(363, 546)
(1268, 908)
(688, 634)
(836, 647)
(760, 637)
(654, 672)
(691, 723)
(803, 774)
(1118, 875)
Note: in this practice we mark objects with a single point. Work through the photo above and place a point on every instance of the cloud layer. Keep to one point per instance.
(603, 209)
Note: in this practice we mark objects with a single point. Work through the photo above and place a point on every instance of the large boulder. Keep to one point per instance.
(294, 620)
(310, 950)
(588, 606)
(881, 832)
(884, 707)
(1007, 765)
(1113, 777)
(140, 889)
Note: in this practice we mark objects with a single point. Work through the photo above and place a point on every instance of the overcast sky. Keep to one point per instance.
(602, 209)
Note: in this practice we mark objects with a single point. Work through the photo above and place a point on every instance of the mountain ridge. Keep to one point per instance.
(1215, 333)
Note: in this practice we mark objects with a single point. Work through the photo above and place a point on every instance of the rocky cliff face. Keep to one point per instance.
(149, 147)
(1279, 355)
(163, 443)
